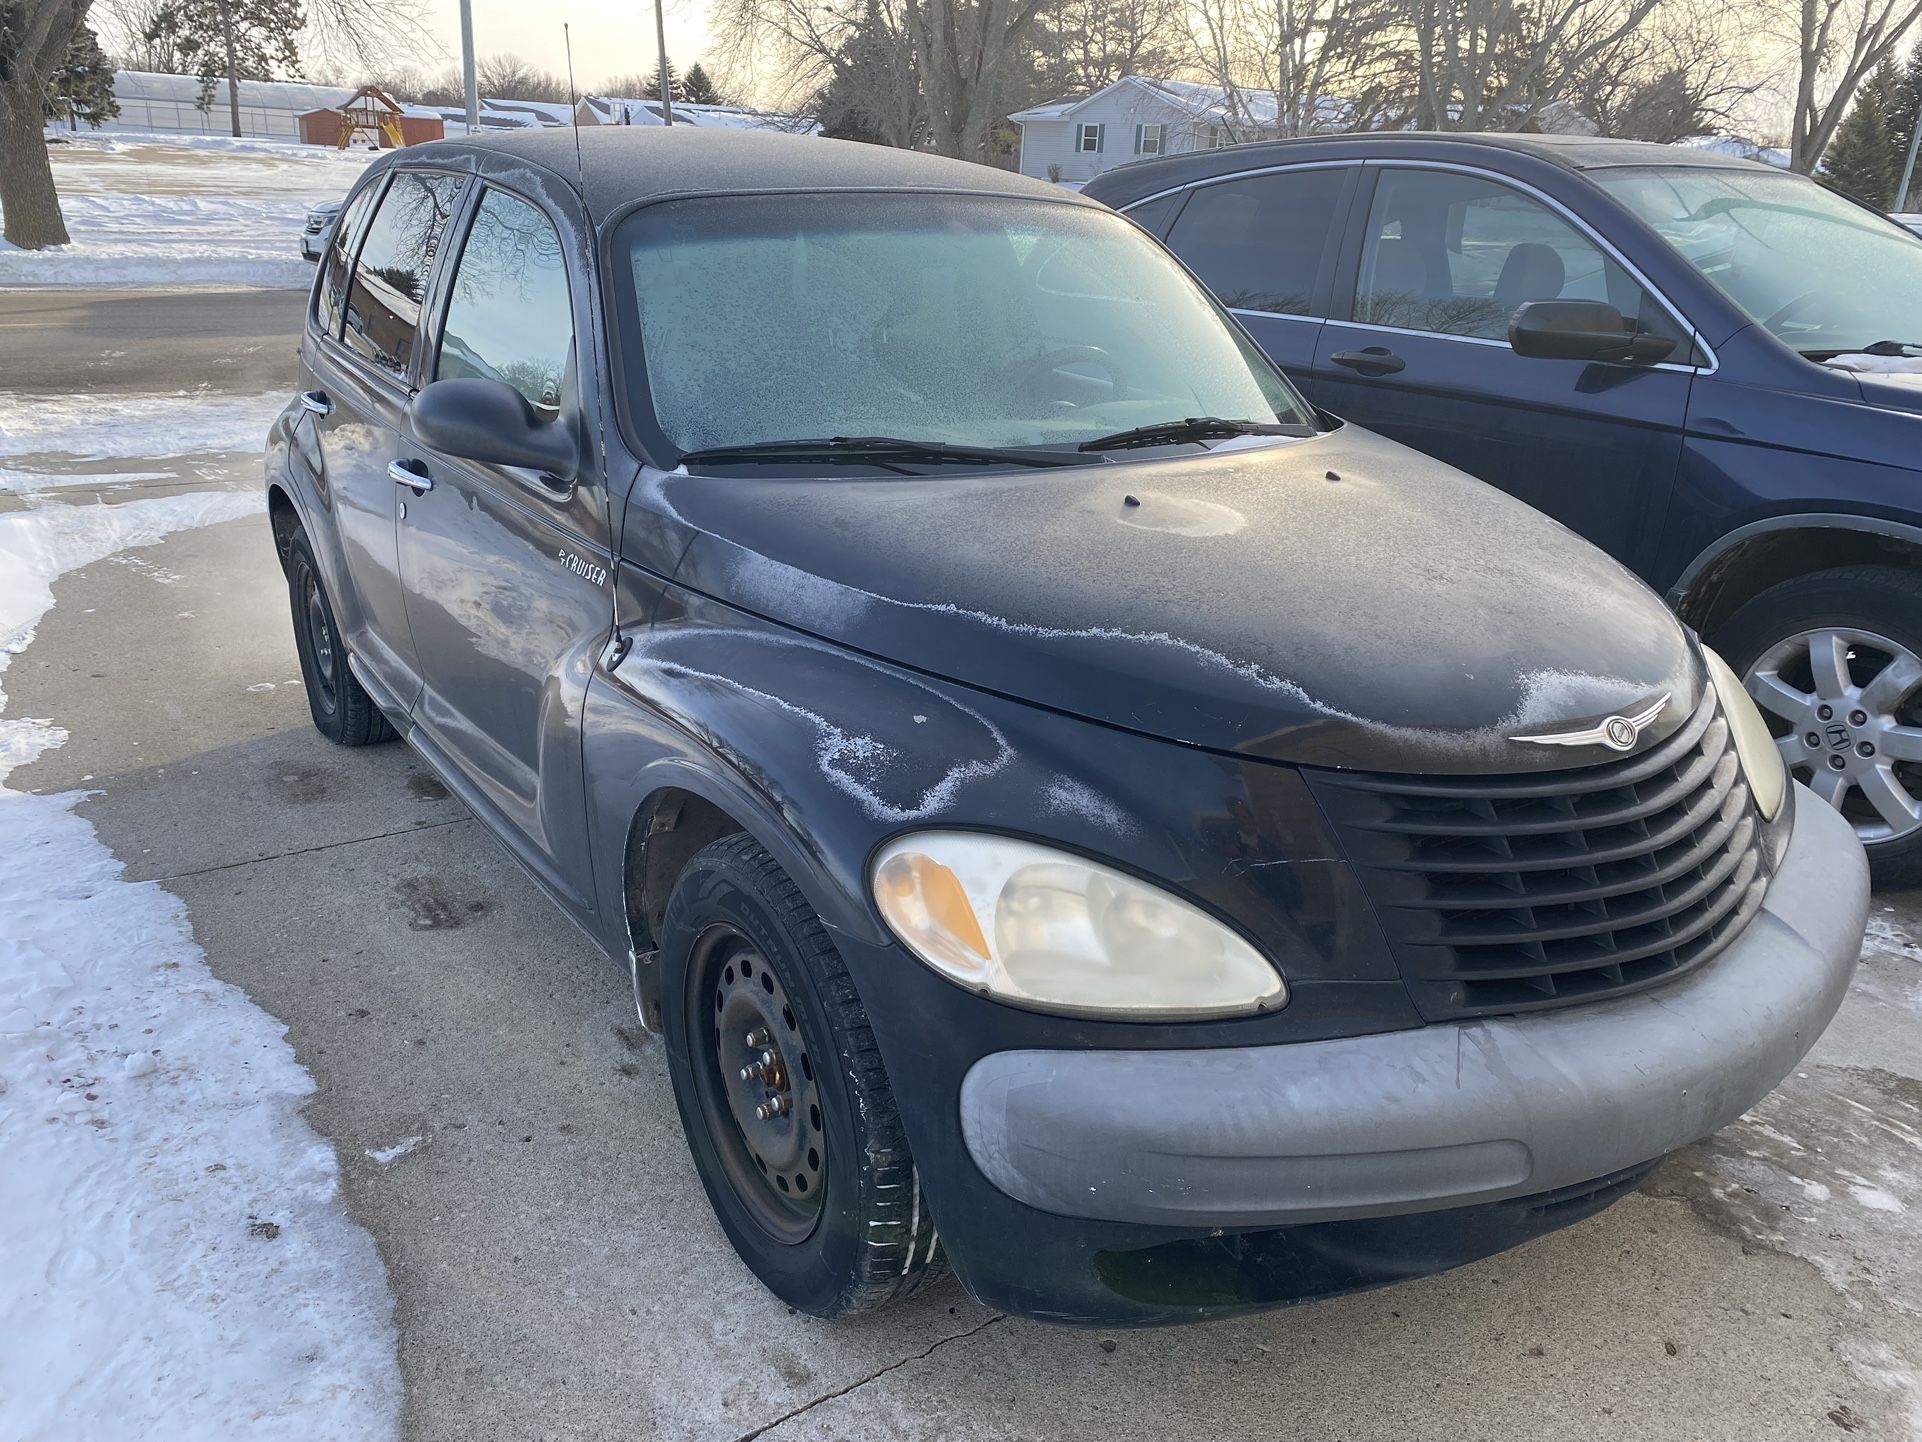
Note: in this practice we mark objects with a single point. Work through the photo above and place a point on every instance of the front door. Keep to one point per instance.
(1418, 350)
(508, 574)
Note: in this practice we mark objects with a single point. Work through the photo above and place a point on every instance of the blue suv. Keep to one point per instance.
(1709, 367)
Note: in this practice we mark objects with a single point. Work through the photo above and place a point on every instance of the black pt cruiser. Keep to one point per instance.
(1076, 813)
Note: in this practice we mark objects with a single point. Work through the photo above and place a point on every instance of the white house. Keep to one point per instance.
(1134, 118)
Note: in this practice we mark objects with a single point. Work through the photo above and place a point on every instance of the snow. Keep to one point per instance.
(175, 1260)
(1903, 370)
(103, 427)
(183, 210)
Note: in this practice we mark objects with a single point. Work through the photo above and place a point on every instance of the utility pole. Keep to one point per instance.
(470, 88)
(660, 39)
(1908, 166)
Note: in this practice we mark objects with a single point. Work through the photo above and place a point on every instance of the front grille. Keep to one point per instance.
(1516, 893)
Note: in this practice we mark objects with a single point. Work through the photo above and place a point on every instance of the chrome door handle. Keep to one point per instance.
(404, 473)
(317, 402)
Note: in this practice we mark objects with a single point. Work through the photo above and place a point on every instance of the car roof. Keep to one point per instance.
(1573, 153)
(618, 164)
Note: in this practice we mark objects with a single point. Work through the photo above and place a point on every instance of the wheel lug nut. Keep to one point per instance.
(1858, 718)
(757, 1037)
(1825, 712)
(1836, 763)
(1812, 740)
(1864, 748)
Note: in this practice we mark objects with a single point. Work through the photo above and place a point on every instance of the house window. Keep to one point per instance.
(1087, 138)
(1215, 137)
(1151, 139)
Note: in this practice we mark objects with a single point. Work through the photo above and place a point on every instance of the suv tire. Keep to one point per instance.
(343, 712)
(1870, 617)
(821, 1200)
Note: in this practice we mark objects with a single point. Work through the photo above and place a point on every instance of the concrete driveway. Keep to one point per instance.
(556, 1270)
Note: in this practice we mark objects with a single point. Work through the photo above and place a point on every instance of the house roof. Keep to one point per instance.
(1209, 104)
(714, 117)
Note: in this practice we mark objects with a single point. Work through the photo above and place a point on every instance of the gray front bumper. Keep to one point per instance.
(1440, 1116)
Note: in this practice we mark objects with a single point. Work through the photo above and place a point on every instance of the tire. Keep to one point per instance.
(823, 1202)
(343, 712)
(1869, 619)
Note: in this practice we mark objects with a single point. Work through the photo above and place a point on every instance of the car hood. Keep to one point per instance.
(1340, 600)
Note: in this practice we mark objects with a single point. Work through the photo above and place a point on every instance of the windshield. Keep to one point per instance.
(957, 319)
(1817, 271)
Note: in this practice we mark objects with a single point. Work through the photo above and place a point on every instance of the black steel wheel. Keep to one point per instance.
(343, 712)
(782, 1093)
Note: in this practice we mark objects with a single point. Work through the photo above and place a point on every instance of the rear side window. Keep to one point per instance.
(340, 251)
(1257, 242)
(384, 300)
(509, 318)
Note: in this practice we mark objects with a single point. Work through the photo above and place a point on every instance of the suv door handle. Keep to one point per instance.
(411, 474)
(317, 402)
(1376, 360)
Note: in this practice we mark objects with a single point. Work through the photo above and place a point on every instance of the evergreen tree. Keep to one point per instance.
(82, 88)
(1860, 160)
(676, 89)
(697, 88)
(233, 40)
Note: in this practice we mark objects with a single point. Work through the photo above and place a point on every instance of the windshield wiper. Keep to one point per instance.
(881, 450)
(1194, 428)
(1900, 349)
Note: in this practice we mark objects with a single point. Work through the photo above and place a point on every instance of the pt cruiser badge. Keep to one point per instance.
(1617, 733)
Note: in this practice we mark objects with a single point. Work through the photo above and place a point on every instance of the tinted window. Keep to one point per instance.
(951, 318)
(1257, 242)
(340, 252)
(508, 318)
(383, 302)
(1456, 254)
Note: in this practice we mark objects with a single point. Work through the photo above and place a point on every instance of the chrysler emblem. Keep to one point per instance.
(1617, 733)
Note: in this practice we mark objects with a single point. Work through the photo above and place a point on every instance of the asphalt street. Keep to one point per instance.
(556, 1269)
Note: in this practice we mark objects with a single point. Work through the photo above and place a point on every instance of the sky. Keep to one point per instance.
(611, 37)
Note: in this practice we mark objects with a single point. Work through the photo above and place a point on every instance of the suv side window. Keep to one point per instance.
(1257, 242)
(1456, 254)
(340, 251)
(508, 318)
(396, 259)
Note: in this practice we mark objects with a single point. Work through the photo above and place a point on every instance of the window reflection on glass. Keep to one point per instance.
(1457, 254)
(339, 251)
(383, 303)
(509, 318)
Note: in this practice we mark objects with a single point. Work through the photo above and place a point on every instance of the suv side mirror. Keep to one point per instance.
(1584, 330)
(490, 422)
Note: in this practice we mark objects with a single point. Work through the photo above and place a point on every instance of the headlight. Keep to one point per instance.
(1768, 778)
(1054, 931)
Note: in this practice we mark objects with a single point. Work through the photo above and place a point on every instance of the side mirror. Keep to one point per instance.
(490, 422)
(1583, 330)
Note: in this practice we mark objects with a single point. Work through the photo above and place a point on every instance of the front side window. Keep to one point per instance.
(1087, 138)
(390, 279)
(1816, 271)
(1457, 254)
(1150, 139)
(340, 254)
(971, 320)
(509, 318)
(1257, 242)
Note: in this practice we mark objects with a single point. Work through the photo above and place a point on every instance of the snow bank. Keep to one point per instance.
(102, 426)
(174, 1258)
(183, 211)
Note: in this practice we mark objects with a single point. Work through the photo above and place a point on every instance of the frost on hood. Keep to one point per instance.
(174, 1257)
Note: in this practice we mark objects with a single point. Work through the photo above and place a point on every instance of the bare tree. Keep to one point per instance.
(961, 50)
(508, 77)
(1836, 44)
(852, 62)
(34, 36)
(1081, 46)
(1686, 71)
(1293, 67)
(125, 27)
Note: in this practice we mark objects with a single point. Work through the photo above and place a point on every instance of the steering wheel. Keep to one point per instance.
(1031, 372)
(1782, 312)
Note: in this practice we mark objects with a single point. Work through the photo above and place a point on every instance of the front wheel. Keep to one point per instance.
(1834, 660)
(782, 1093)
